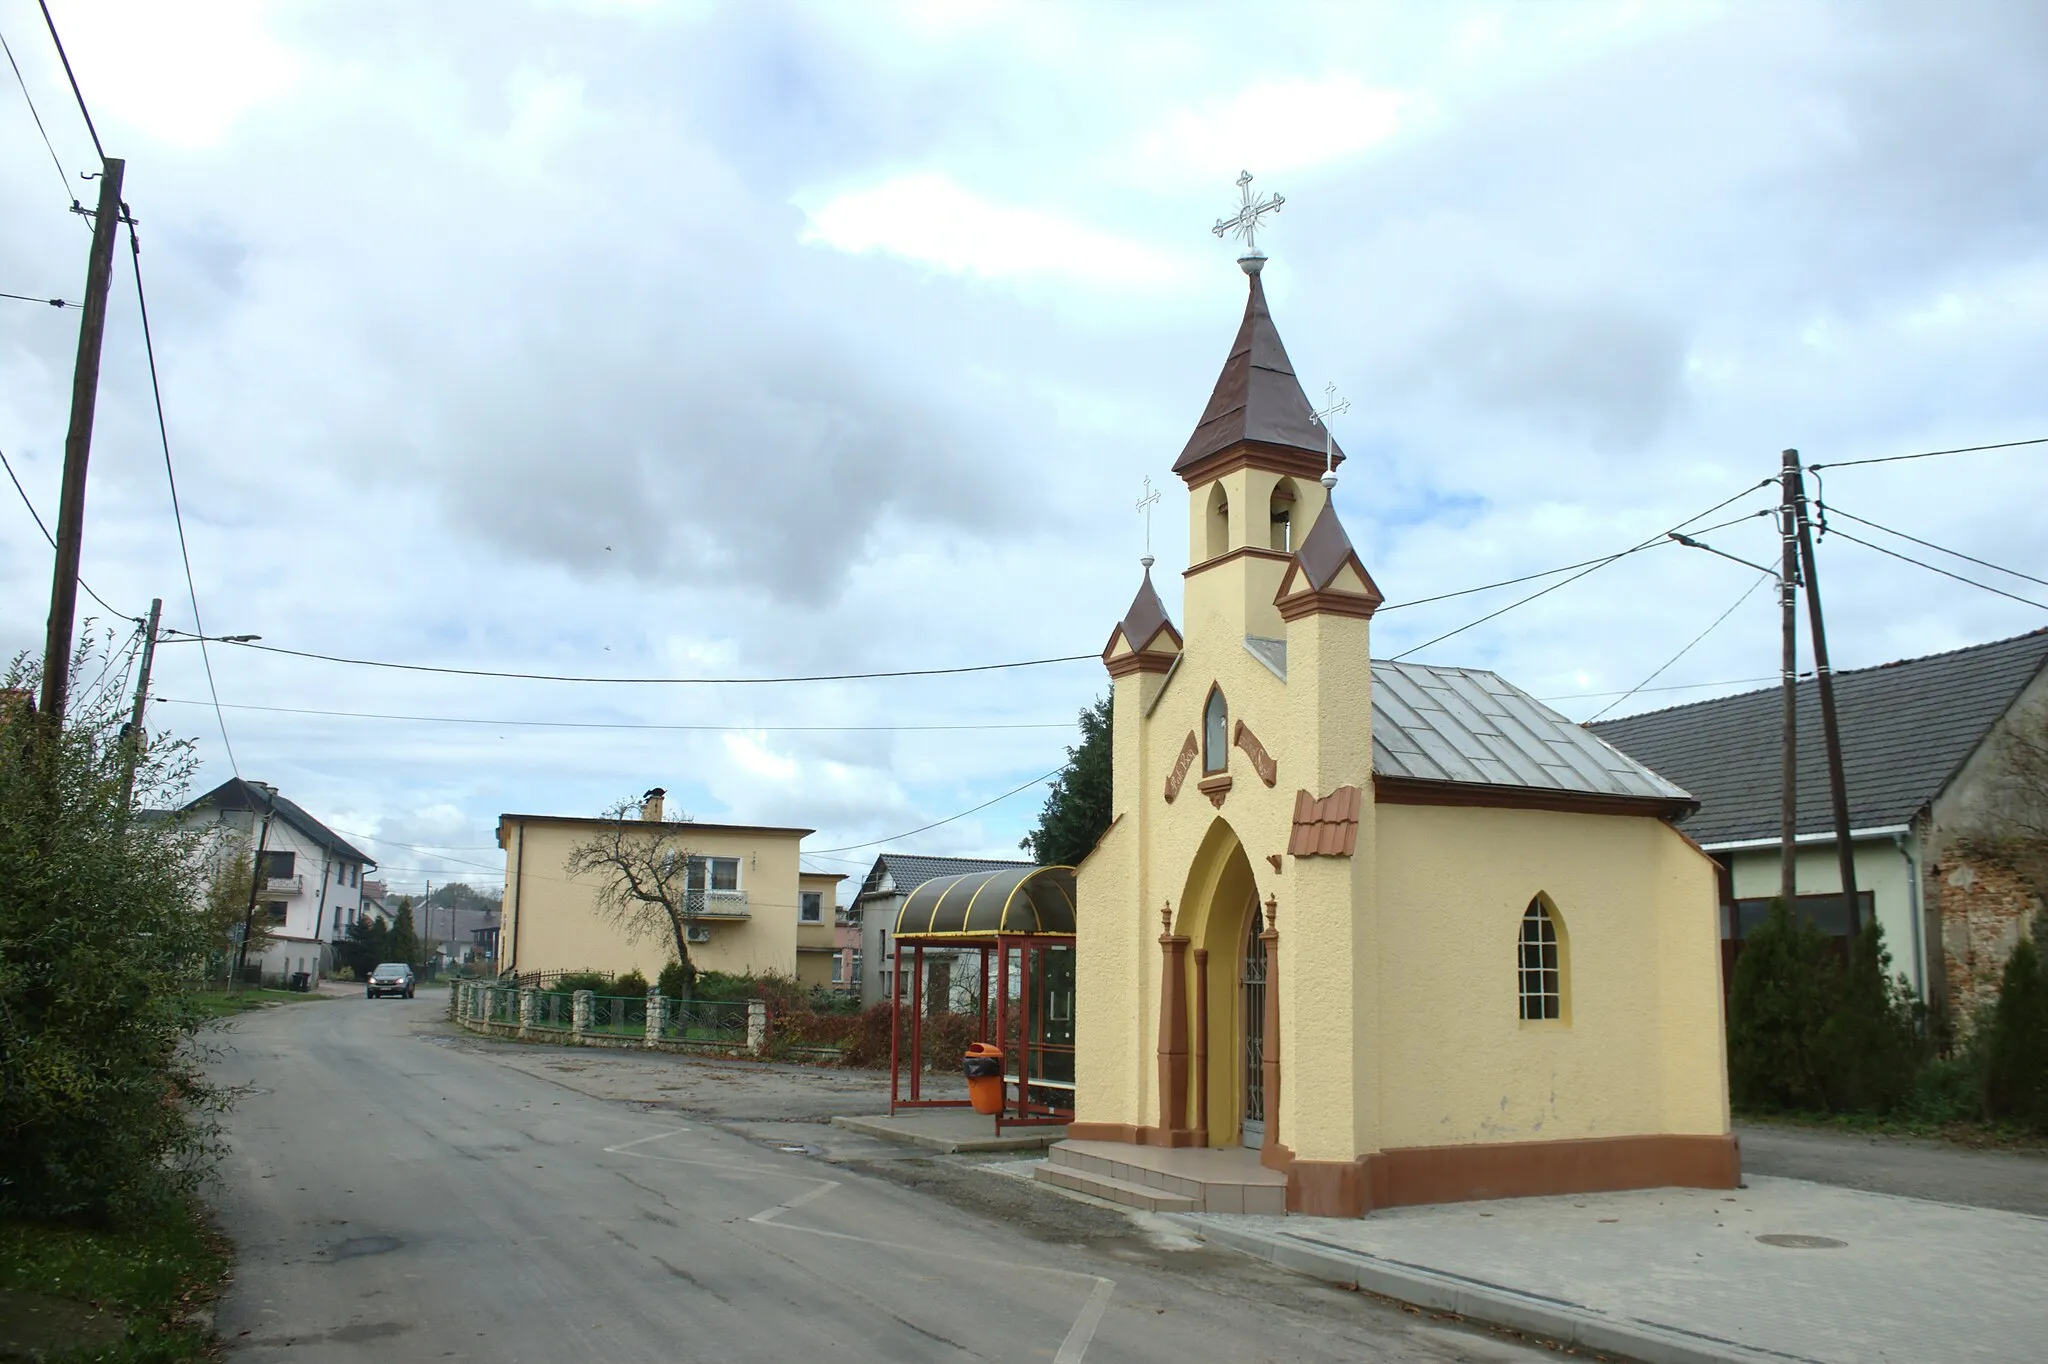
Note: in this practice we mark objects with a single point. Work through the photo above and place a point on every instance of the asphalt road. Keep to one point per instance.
(2016, 1181)
(397, 1192)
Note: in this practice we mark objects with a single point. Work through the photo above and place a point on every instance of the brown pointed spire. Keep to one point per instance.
(1258, 406)
(1140, 628)
(1327, 575)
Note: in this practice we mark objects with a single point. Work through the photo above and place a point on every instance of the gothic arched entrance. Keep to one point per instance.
(1219, 919)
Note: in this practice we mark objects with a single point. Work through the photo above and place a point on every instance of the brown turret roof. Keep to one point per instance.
(1147, 616)
(1257, 397)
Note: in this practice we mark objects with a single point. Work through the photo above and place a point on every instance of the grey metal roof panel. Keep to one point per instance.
(237, 794)
(909, 870)
(1468, 725)
(1906, 727)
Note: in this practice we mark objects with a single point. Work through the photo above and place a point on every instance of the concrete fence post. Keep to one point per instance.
(579, 1014)
(757, 1026)
(657, 1015)
(480, 1005)
(455, 1000)
(529, 1011)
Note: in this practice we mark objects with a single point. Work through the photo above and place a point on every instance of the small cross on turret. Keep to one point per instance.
(1244, 224)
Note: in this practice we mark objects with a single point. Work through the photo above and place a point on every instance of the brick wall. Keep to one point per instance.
(1984, 906)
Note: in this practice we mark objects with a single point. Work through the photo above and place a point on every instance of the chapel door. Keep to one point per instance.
(1252, 1002)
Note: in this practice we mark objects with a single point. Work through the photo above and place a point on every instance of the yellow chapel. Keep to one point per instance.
(1398, 929)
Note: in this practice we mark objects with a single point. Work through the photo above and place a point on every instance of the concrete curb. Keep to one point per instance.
(888, 1131)
(1551, 1318)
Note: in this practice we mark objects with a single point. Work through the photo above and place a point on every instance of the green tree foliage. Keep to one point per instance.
(225, 906)
(1778, 1003)
(2016, 1051)
(1078, 808)
(367, 946)
(632, 983)
(1869, 1046)
(678, 980)
(403, 942)
(102, 1109)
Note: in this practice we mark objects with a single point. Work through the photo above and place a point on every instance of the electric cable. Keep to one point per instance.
(660, 681)
(1907, 558)
(46, 302)
(76, 93)
(63, 177)
(622, 724)
(1929, 454)
(1671, 686)
(1929, 544)
(51, 538)
(877, 842)
(1640, 686)
(177, 513)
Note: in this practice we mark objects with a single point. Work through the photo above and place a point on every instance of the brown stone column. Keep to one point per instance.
(1173, 1034)
(1198, 1120)
(1272, 1152)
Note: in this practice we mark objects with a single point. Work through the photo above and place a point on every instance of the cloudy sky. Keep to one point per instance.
(746, 340)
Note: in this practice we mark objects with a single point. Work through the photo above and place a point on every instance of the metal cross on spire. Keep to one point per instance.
(1145, 505)
(1333, 406)
(1244, 225)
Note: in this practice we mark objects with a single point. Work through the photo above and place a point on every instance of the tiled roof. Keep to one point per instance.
(1906, 728)
(910, 871)
(236, 794)
(1257, 397)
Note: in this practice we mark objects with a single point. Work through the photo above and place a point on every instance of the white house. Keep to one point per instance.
(310, 881)
(882, 893)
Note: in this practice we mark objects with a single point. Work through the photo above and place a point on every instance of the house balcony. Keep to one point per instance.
(717, 904)
(284, 885)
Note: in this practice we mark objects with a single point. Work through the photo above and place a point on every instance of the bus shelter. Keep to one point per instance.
(1018, 924)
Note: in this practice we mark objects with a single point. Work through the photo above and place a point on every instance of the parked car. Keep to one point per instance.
(392, 978)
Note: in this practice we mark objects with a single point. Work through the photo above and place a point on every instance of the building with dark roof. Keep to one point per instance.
(1929, 785)
(882, 893)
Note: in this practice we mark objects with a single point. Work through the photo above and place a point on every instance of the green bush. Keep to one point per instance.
(594, 981)
(632, 983)
(677, 980)
(1777, 1005)
(2016, 1050)
(1869, 1049)
(101, 1103)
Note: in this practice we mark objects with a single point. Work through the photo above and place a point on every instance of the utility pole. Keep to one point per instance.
(1788, 611)
(1838, 790)
(255, 878)
(85, 382)
(132, 739)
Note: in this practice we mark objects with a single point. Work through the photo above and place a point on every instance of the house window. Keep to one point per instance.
(838, 968)
(812, 909)
(273, 910)
(1216, 732)
(1541, 966)
(277, 866)
(721, 873)
(855, 977)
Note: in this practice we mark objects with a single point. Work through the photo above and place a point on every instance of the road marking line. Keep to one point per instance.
(767, 1216)
(1075, 1347)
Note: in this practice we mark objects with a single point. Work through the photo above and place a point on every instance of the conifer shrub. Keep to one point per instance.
(678, 980)
(1868, 1047)
(2016, 1048)
(596, 982)
(1778, 1003)
(632, 983)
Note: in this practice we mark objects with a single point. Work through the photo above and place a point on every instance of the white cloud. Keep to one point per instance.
(1274, 127)
(931, 219)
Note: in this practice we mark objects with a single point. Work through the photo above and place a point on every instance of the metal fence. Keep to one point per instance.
(708, 1022)
(554, 1011)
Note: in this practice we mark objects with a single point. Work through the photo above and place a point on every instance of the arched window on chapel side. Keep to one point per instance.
(1540, 965)
(1216, 733)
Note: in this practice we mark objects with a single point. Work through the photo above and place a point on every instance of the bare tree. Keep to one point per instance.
(641, 864)
(2023, 807)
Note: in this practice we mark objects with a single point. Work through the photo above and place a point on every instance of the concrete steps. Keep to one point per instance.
(1166, 1180)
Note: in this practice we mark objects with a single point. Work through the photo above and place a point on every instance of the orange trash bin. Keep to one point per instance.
(984, 1066)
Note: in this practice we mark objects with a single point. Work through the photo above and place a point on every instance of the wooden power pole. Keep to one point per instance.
(85, 382)
(134, 735)
(1788, 610)
(1838, 790)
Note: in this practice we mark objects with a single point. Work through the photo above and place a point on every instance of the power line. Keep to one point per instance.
(622, 724)
(1640, 686)
(1999, 591)
(1929, 454)
(62, 177)
(51, 538)
(76, 93)
(665, 681)
(1828, 510)
(163, 431)
(1595, 565)
(877, 842)
(31, 298)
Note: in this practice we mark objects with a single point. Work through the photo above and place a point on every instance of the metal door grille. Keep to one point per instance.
(1252, 983)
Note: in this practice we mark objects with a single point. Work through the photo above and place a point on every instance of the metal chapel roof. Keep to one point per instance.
(1257, 396)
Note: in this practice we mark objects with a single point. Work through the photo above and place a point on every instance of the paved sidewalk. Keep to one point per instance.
(1680, 1276)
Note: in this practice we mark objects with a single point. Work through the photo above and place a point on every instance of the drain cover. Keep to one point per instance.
(796, 1150)
(1794, 1241)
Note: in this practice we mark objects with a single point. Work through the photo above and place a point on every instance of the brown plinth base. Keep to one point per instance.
(1457, 1174)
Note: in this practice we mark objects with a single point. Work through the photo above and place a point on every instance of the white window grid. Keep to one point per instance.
(1539, 968)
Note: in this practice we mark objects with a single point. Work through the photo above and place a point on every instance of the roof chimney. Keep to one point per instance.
(650, 805)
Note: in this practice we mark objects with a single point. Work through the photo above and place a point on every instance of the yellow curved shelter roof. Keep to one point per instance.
(1013, 902)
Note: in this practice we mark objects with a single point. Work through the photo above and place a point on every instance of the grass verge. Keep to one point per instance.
(227, 1003)
(127, 1295)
